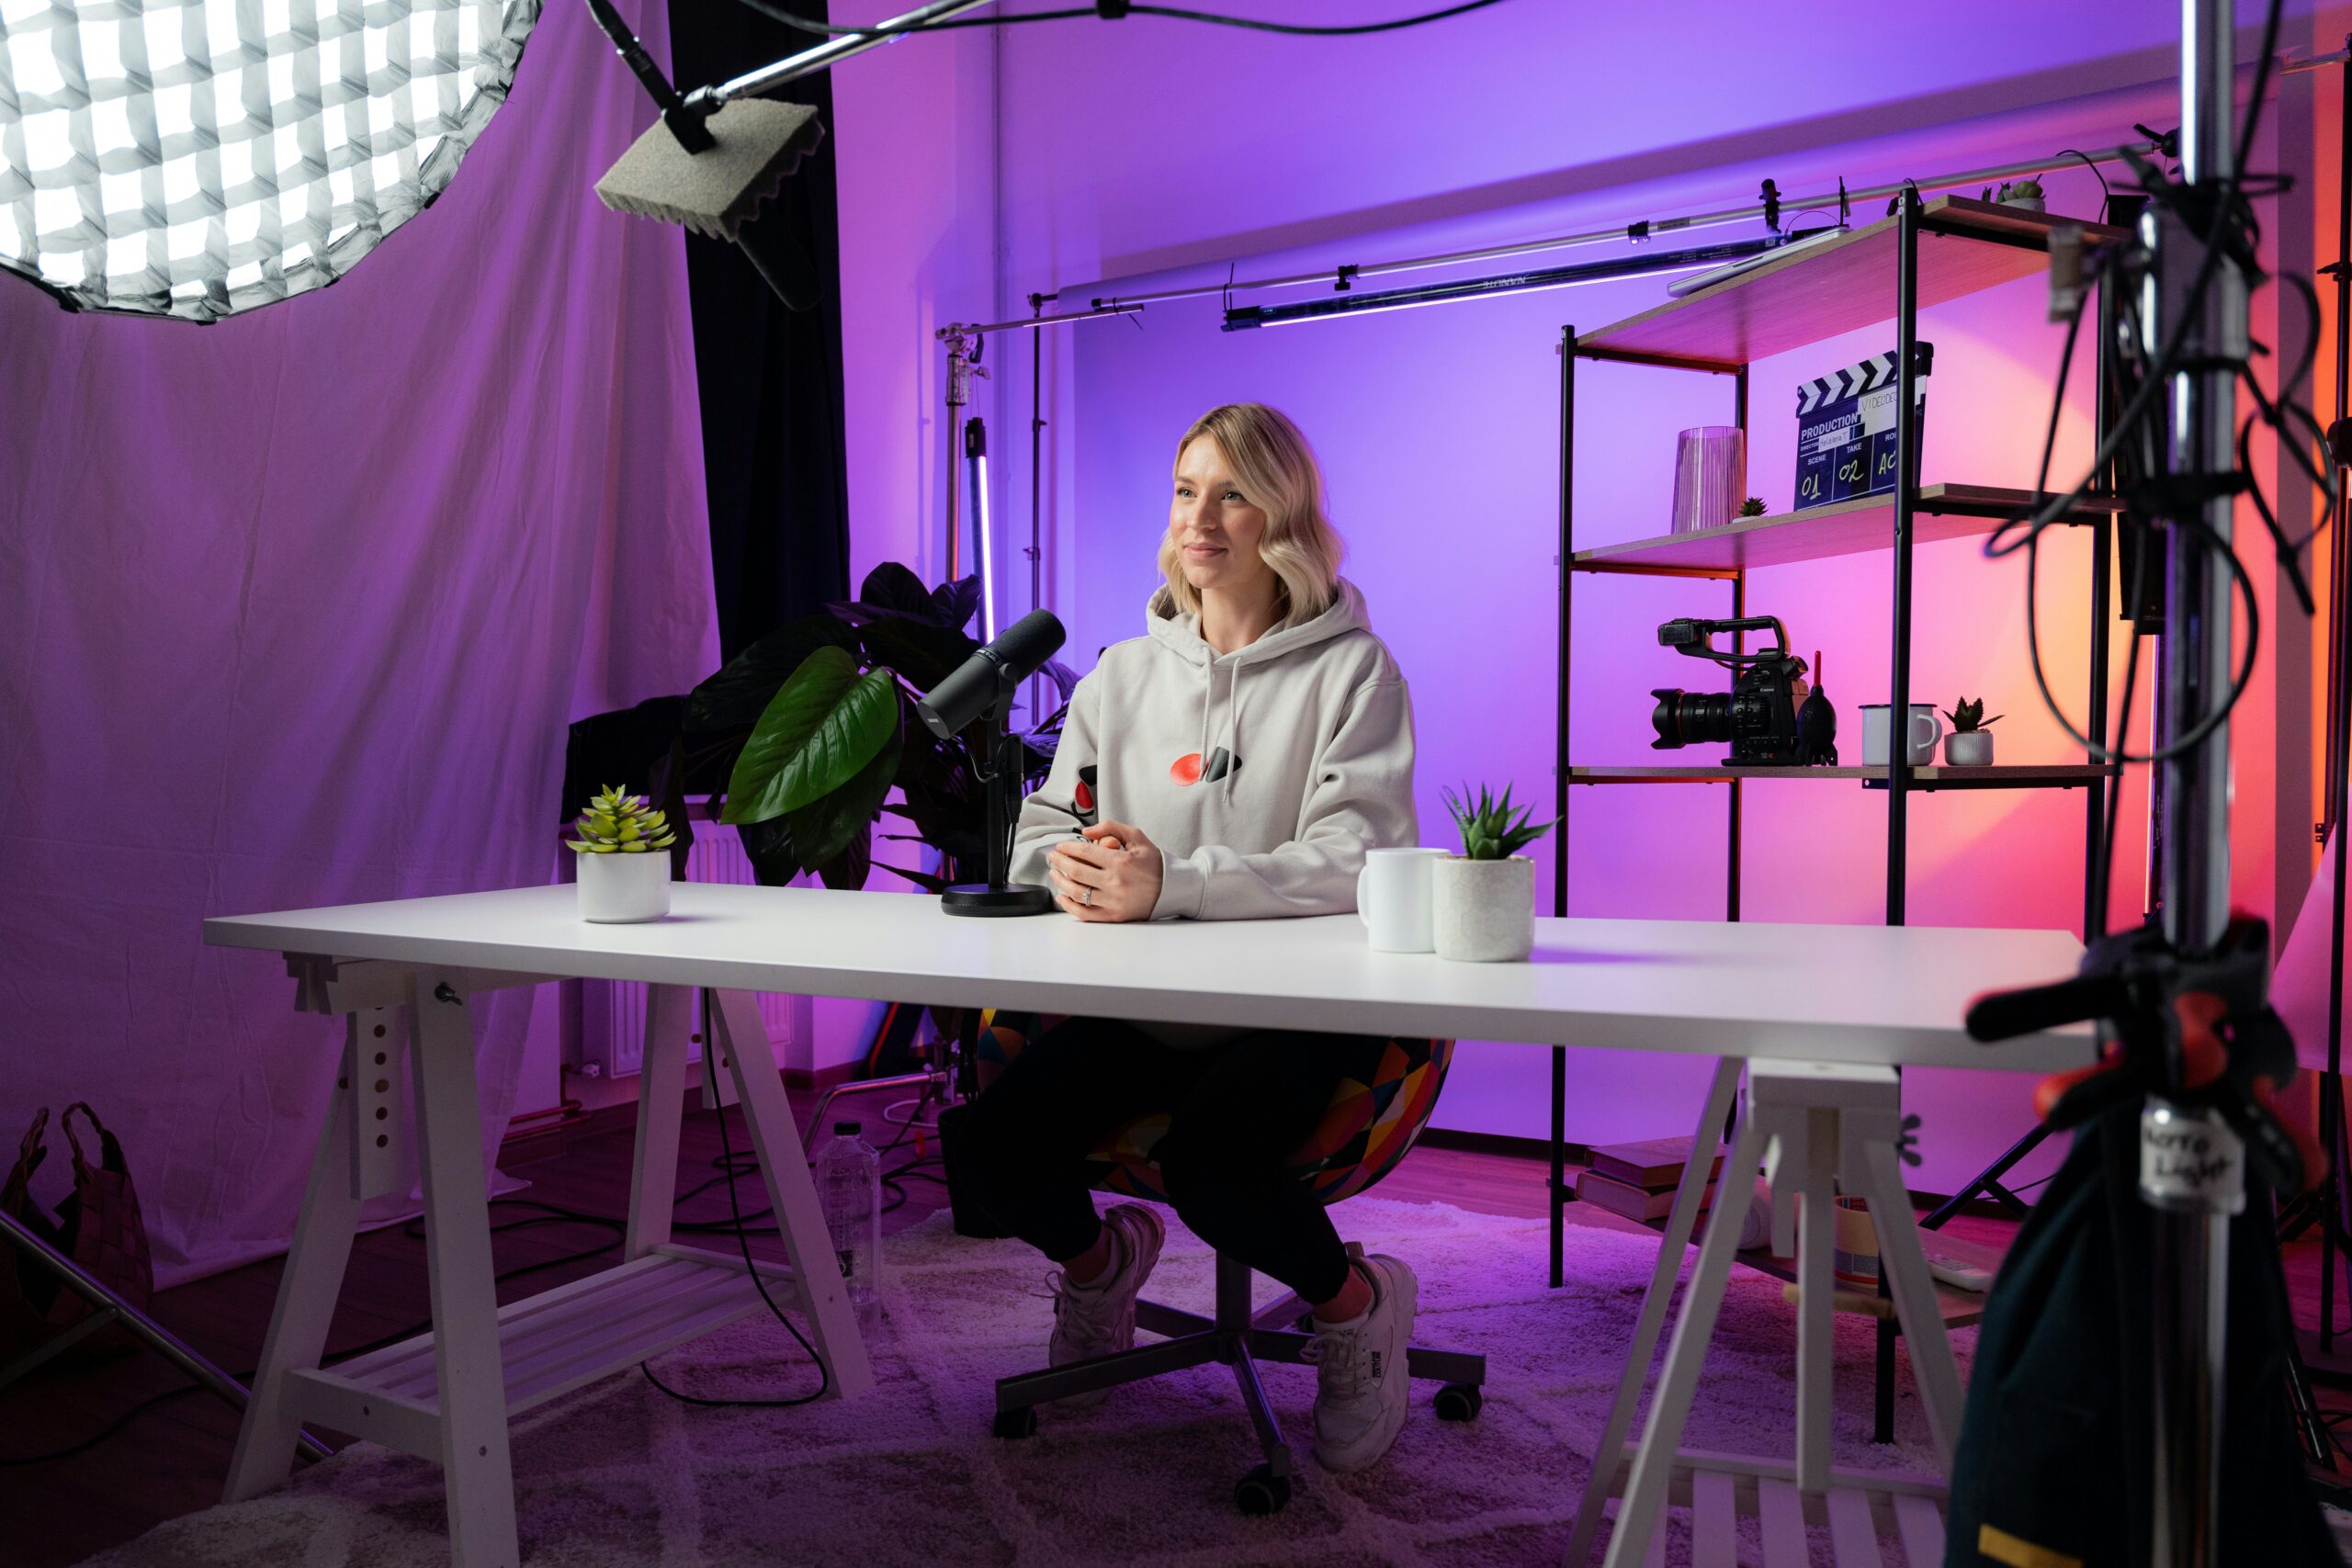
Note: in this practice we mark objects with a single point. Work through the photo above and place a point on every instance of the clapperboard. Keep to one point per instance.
(1845, 429)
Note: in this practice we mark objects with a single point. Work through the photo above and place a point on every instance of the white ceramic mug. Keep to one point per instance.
(1392, 898)
(1926, 730)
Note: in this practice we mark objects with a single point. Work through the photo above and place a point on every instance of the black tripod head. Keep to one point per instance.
(2195, 1032)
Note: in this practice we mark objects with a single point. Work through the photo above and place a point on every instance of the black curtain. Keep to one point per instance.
(773, 457)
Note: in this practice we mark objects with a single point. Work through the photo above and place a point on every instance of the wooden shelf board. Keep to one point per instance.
(562, 1339)
(1839, 286)
(2016, 775)
(1841, 528)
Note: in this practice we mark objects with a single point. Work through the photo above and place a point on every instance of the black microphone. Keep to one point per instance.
(1019, 651)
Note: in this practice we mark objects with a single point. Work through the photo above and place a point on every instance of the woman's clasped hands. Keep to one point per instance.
(1111, 873)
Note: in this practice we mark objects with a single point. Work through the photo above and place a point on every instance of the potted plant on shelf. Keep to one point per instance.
(1483, 900)
(1970, 744)
(1752, 507)
(2025, 193)
(624, 875)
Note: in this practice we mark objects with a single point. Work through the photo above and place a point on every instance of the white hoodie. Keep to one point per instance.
(1262, 774)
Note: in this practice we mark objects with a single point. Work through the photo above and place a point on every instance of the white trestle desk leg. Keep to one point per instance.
(1654, 1461)
(1914, 1290)
(661, 1102)
(1816, 1328)
(1679, 1220)
(476, 1473)
(792, 1192)
(306, 1291)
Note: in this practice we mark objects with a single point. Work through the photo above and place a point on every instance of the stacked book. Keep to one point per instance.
(1638, 1180)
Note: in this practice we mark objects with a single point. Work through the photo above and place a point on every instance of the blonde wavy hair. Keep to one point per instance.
(1277, 470)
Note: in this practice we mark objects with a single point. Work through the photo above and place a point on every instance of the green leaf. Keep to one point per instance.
(848, 870)
(826, 828)
(922, 653)
(891, 589)
(821, 730)
(921, 879)
(768, 846)
(734, 698)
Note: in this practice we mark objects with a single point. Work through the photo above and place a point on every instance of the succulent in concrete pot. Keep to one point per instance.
(1483, 900)
(1970, 744)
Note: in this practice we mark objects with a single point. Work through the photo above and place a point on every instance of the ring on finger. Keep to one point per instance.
(1086, 896)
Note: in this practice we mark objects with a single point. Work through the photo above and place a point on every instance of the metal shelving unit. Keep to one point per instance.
(1926, 254)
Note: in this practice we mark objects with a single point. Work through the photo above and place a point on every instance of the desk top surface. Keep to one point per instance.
(1850, 993)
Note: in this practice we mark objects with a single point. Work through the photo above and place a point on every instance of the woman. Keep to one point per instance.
(1233, 764)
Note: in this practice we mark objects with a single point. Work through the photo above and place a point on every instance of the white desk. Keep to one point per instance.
(1865, 993)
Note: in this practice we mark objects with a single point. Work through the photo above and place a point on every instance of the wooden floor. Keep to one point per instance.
(172, 1458)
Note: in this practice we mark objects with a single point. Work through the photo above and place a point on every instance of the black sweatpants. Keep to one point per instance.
(1239, 1113)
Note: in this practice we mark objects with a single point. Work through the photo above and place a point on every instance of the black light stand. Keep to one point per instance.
(996, 760)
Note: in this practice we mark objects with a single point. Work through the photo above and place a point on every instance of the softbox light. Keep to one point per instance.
(196, 158)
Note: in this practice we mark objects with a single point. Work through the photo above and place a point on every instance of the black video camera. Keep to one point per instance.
(1757, 716)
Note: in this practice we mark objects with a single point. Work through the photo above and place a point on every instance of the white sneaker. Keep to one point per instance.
(1099, 1319)
(1364, 1387)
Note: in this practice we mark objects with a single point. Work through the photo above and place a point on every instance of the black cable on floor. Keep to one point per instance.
(109, 1430)
(759, 1281)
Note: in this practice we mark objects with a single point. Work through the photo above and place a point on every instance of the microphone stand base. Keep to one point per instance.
(992, 899)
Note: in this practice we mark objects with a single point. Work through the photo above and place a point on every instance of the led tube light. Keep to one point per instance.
(1352, 304)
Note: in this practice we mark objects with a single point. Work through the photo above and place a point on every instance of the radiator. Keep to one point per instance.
(604, 1021)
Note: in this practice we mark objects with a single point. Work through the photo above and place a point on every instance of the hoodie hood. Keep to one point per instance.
(1221, 675)
(1180, 630)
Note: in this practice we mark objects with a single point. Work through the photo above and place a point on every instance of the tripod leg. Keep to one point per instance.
(2319, 1448)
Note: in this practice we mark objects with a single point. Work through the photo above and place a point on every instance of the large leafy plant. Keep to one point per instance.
(813, 728)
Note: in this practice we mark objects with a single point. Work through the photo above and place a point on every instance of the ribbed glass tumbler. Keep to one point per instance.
(1710, 476)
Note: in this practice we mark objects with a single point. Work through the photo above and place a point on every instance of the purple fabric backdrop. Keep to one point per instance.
(295, 609)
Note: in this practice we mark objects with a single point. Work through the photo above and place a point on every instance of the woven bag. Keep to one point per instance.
(100, 1221)
(99, 1225)
(27, 1289)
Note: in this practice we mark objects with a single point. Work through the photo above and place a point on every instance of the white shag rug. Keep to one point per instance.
(618, 1474)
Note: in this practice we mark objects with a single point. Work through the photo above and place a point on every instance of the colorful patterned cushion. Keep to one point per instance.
(1364, 1131)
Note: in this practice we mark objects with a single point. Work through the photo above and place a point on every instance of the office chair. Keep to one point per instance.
(1364, 1133)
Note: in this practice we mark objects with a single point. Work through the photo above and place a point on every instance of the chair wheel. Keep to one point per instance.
(1262, 1492)
(1021, 1423)
(1460, 1401)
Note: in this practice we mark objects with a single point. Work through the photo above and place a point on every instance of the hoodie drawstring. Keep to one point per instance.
(1233, 731)
(1208, 703)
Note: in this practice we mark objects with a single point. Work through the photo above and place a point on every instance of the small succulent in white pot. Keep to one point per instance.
(2025, 193)
(1970, 744)
(1483, 900)
(624, 862)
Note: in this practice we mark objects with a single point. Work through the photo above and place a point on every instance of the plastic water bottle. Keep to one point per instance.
(849, 1185)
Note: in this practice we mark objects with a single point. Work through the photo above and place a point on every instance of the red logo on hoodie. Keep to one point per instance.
(1189, 769)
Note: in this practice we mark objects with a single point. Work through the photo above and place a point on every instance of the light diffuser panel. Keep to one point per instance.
(196, 158)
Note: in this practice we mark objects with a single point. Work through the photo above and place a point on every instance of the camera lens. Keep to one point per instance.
(1690, 719)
